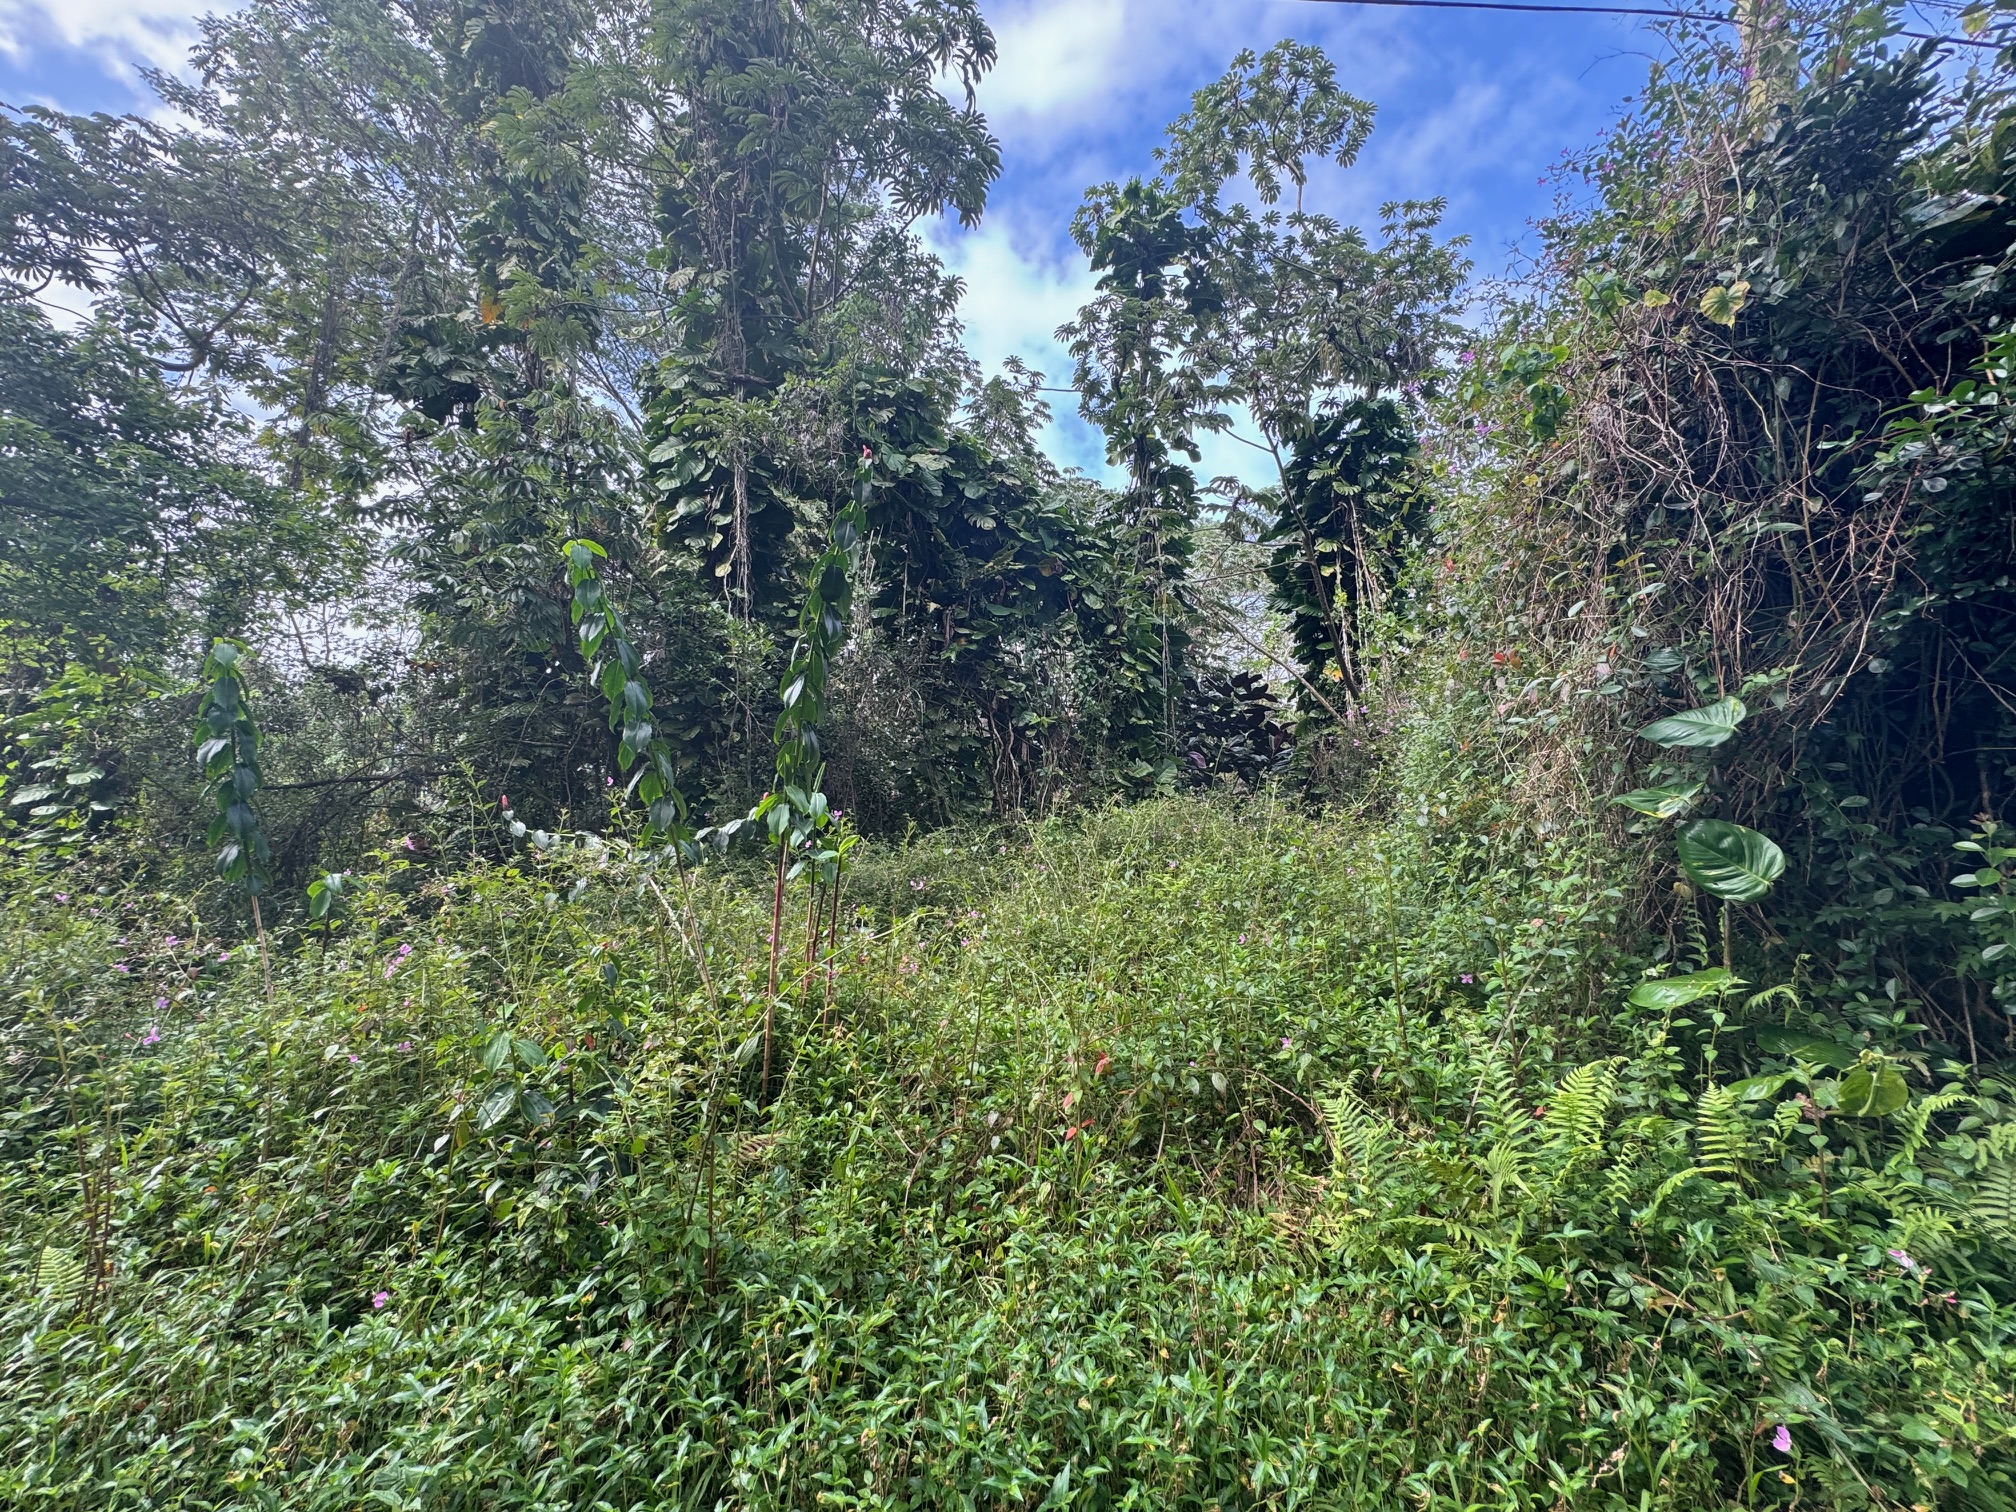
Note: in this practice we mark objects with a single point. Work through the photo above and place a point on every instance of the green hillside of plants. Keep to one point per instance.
(615, 894)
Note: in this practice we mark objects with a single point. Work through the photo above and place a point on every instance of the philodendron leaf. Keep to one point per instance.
(1729, 861)
(1774, 1039)
(1709, 725)
(1873, 1094)
(1679, 991)
(1668, 802)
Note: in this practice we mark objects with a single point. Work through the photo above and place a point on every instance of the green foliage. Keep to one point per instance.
(1729, 861)
(616, 669)
(1705, 727)
(1117, 1178)
(227, 749)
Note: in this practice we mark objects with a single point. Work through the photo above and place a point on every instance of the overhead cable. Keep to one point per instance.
(1614, 10)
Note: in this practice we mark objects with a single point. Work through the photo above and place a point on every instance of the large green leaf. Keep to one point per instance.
(1730, 861)
(1878, 1094)
(1679, 991)
(1709, 725)
(1668, 802)
(1775, 1039)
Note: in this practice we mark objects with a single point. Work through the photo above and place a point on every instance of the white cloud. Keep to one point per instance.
(1054, 57)
(122, 34)
(1018, 292)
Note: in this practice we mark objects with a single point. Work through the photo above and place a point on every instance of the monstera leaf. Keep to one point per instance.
(1679, 991)
(1730, 861)
(1668, 802)
(1709, 725)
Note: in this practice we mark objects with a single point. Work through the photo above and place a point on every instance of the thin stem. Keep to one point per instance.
(265, 956)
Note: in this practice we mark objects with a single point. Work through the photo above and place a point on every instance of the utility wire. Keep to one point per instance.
(1614, 10)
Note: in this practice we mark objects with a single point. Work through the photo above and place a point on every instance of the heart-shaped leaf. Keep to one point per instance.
(1709, 725)
(1878, 1094)
(1730, 861)
(1668, 802)
(1679, 991)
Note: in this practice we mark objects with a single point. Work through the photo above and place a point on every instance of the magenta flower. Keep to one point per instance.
(379, 1299)
(160, 1005)
(1782, 1439)
(62, 897)
(223, 956)
(1903, 1259)
(171, 942)
(152, 1036)
(1466, 979)
(405, 1046)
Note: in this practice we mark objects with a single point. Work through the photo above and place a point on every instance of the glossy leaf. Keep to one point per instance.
(1678, 991)
(1668, 802)
(1708, 726)
(1729, 861)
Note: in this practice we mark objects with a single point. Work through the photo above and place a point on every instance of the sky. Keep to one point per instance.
(1473, 107)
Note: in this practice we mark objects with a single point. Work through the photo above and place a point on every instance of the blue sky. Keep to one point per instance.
(1473, 107)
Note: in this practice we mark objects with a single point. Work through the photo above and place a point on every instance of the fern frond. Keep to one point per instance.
(60, 1274)
(1917, 1118)
(1993, 1208)
(1722, 1133)
(1580, 1108)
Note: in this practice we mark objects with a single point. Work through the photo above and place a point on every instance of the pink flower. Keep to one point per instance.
(379, 1299)
(409, 843)
(152, 1037)
(1465, 979)
(171, 942)
(405, 1046)
(62, 897)
(1903, 1259)
(122, 968)
(1782, 1439)
(160, 1005)
(223, 956)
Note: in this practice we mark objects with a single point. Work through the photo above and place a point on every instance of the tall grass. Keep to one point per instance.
(1196, 1155)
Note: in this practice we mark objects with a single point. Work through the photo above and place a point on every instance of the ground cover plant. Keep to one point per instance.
(618, 896)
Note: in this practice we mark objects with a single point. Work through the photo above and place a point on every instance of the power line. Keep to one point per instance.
(1612, 10)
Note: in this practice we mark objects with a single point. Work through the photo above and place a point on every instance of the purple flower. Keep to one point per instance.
(379, 1299)
(1242, 939)
(1782, 1439)
(353, 1060)
(1904, 1260)
(171, 942)
(405, 951)
(160, 1005)
(1287, 1043)
(1466, 358)
(62, 897)
(122, 968)
(223, 956)
(1465, 979)
(151, 1037)
(409, 843)
(405, 1046)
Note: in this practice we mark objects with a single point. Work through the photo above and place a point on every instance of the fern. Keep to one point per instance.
(60, 1275)
(1917, 1119)
(1722, 1133)
(1994, 1206)
(1579, 1109)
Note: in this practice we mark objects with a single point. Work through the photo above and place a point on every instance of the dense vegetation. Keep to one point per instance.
(728, 935)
